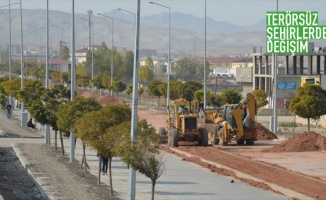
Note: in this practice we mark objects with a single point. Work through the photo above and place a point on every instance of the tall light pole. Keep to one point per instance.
(130, 13)
(90, 43)
(10, 59)
(40, 43)
(205, 62)
(60, 48)
(168, 66)
(111, 49)
(90, 12)
(22, 63)
(275, 87)
(33, 44)
(73, 75)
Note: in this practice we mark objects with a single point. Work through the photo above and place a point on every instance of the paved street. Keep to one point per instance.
(181, 180)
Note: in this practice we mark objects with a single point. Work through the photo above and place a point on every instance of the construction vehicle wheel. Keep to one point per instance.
(222, 138)
(204, 137)
(213, 136)
(174, 137)
(162, 131)
(250, 142)
(240, 141)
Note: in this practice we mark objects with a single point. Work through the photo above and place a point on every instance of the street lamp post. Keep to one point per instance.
(39, 49)
(60, 49)
(205, 63)
(33, 44)
(168, 67)
(111, 49)
(275, 87)
(73, 76)
(10, 63)
(90, 12)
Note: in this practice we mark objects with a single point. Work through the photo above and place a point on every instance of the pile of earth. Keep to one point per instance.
(103, 100)
(306, 141)
(263, 133)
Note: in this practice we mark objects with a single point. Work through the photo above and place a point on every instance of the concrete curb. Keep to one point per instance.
(287, 192)
(37, 180)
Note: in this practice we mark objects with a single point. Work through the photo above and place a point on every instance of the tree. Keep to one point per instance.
(146, 74)
(199, 95)
(153, 90)
(129, 90)
(261, 97)
(68, 114)
(140, 93)
(96, 129)
(65, 52)
(143, 154)
(162, 88)
(31, 92)
(174, 89)
(309, 102)
(187, 90)
(186, 69)
(118, 86)
(128, 64)
(231, 96)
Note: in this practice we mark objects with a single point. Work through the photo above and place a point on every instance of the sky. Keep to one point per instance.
(241, 12)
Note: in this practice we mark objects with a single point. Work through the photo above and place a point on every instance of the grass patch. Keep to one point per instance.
(288, 124)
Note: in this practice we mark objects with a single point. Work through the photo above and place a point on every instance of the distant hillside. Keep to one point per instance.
(187, 32)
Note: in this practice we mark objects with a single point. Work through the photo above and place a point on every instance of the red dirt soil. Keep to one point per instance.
(306, 141)
(103, 100)
(307, 185)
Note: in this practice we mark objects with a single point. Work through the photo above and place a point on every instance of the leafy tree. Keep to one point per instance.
(128, 64)
(146, 74)
(309, 102)
(31, 92)
(261, 98)
(231, 96)
(162, 88)
(140, 93)
(187, 90)
(118, 86)
(143, 154)
(55, 75)
(93, 130)
(12, 87)
(69, 112)
(129, 90)
(174, 89)
(215, 100)
(199, 95)
(186, 69)
(65, 52)
(98, 82)
(153, 90)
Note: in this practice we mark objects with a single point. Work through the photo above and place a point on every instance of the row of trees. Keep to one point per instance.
(104, 128)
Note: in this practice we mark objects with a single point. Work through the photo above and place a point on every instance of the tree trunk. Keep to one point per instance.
(153, 189)
(84, 160)
(56, 140)
(158, 101)
(110, 175)
(99, 169)
(62, 147)
(308, 124)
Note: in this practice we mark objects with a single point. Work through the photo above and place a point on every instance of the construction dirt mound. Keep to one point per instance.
(263, 133)
(103, 100)
(306, 141)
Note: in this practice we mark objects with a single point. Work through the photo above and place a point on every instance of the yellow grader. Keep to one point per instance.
(182, 124)
(236, 122)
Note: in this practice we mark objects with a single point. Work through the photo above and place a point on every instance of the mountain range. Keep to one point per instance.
(187, 32)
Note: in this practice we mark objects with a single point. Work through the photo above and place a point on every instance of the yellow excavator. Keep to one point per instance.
(182, 124)
(236, 122)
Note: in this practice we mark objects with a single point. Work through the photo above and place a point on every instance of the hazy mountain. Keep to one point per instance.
(187, 32)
